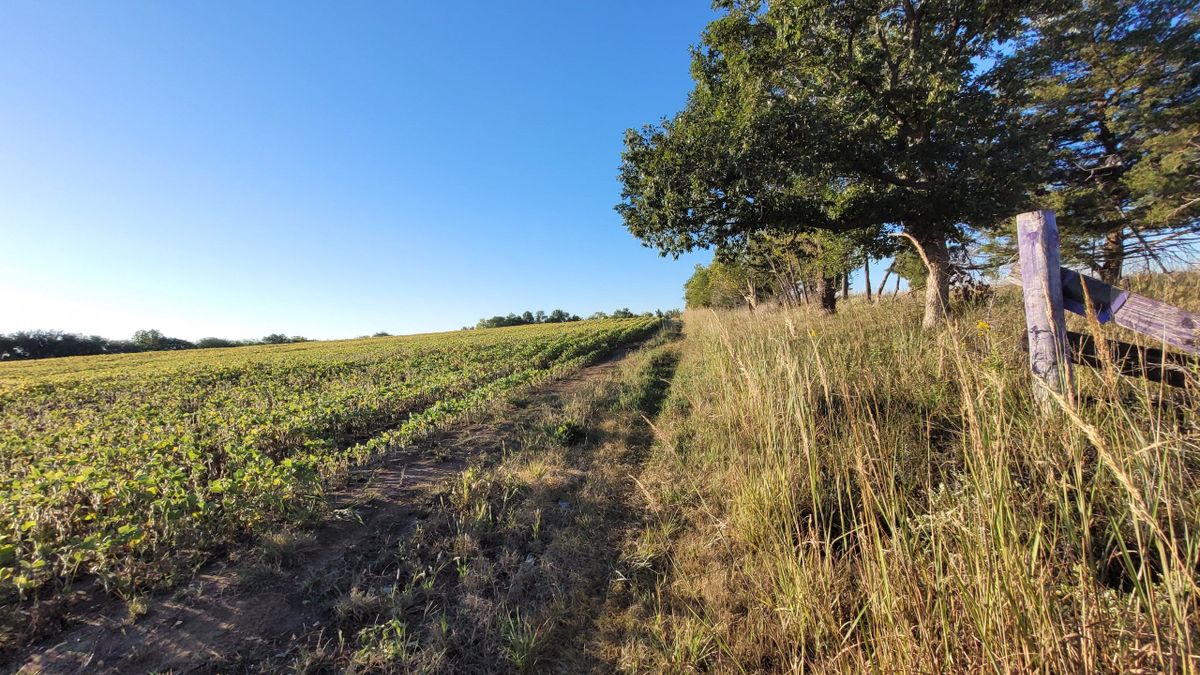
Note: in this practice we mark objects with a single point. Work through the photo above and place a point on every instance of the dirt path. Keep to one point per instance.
(248, 607)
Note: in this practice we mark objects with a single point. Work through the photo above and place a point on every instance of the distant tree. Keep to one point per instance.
(500, 321)
(907, 264)
(697, 290)
(41, 344)
(623, 313)
(46, 344)
(211, 342)
(382, 333)
(154, 340)
(599, 315)
(280, 338)
(148, 339)
(823, 260)
(557, 316)
(726, 283)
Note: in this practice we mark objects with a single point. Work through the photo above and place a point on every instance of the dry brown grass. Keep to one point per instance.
(852, 494)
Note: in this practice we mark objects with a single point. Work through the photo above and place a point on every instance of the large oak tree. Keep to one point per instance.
(819, 115)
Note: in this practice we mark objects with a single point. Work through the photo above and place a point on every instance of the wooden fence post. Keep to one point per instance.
(1045, 324)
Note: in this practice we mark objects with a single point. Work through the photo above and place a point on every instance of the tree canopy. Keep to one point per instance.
(1111, 89)
(525, 318)
(40, 344)
(939, 119)
(817, 116)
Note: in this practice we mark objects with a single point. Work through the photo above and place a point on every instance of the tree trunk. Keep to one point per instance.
(867, 276)
(883, 284)
(787, 290)
(804, 291)
(846, 286)
(937, 284)
(1113, 256)
(827, 288)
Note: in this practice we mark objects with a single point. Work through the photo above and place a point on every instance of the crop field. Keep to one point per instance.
(113, 466)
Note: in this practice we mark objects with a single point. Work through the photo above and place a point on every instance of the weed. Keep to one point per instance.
(384, 644)
(280, 548)
(359, 606)
(135, 608)
(521, 641)
(566, 433)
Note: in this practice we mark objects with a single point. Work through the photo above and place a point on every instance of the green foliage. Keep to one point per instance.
(39, 344)
(724, 283)
(566, 433)
(47, 344)
(943, 119)
(830, 117)
(148, 339)
(1111, 86)
(210, 342)
(557, 316)
(153, 340)
(281, 339)
(697, 290)
(776, 265)
(909, 266)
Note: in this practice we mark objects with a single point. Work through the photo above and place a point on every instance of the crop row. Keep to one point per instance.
(109, 465)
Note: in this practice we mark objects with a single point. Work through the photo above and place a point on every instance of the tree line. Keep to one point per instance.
(560, 316)
(527, 317)
(40, 344)
(819, 136)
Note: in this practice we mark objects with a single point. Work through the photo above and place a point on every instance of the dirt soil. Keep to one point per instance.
(250, 605)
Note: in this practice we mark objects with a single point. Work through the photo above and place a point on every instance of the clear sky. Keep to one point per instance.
(326, 169)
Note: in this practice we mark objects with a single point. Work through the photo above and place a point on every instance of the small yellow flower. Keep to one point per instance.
(983, 326)
(812, 332)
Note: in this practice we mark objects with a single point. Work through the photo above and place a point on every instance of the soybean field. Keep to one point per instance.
(120, 467)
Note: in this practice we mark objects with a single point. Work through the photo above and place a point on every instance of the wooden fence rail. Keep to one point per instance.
(1051, 289)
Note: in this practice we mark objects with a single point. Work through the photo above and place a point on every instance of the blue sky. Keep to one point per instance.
(326, 169)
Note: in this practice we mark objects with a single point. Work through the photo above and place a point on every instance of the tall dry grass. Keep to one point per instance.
(852, 494)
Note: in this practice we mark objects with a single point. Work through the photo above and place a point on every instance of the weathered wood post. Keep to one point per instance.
(1045, 324)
